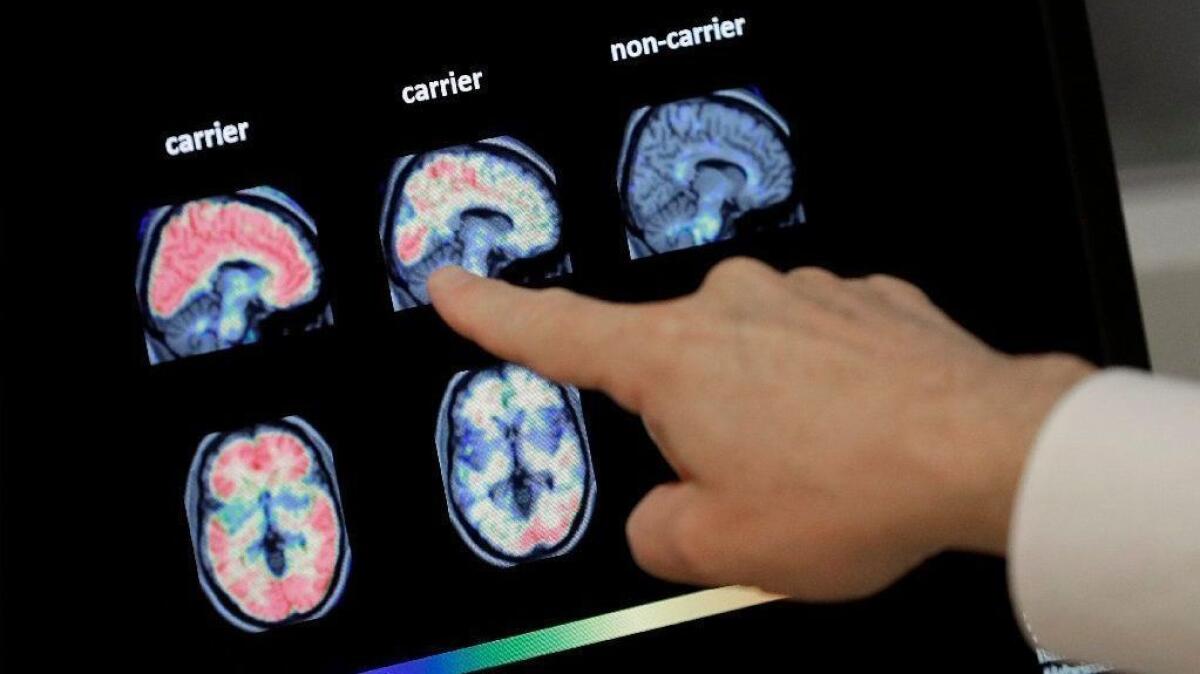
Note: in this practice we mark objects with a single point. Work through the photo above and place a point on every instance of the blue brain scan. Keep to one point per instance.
(515, 464)
(488, 206)
(705, 169)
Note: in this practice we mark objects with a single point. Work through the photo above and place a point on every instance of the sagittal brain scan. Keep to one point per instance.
(266, 522)
(489, 207)
(227, 270)
(706, 169)
(515, 464)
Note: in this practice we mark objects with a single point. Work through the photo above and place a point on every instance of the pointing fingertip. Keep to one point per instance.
(447, 279)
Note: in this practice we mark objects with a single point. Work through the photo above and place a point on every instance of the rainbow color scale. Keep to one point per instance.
(584, 632)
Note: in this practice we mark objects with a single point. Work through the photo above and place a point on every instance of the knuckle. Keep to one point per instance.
(896, 287)
(884, 281)
(814, 275)
(738, 270)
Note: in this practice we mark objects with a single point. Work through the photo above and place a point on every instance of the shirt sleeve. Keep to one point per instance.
(1104, 550)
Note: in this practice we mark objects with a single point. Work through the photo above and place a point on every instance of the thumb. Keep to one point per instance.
(673, 534)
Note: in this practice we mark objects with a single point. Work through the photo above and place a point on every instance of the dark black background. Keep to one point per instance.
(931, 146)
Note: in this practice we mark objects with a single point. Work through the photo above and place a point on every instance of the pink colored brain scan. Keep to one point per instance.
(515, 464)
(266, 522)
(488, 206)
(221, 271)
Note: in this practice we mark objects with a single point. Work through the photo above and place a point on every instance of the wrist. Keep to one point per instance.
(1023, 396)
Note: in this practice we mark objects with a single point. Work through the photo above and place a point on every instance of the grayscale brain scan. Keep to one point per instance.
(706, 169)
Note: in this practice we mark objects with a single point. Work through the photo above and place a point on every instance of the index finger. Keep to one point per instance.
(562, 335)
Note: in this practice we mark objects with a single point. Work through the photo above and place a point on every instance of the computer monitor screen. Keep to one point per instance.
(237, 437)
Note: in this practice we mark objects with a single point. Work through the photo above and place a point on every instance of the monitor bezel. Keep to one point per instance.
(1095, 198)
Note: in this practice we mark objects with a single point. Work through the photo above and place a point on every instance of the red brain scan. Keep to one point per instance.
(228, 270)
(265, 515)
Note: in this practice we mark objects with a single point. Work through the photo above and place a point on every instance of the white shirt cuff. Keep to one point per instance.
(1104, 547)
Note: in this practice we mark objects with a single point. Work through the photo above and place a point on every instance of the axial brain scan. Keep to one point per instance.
(227, 270)
(266, 522)
(705, 169)
(515, 464)
(488, 206)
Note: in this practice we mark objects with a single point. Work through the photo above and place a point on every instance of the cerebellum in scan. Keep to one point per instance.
(706, 169)
(226, 270)
(515, 464)
(488, 206)
(265, 516)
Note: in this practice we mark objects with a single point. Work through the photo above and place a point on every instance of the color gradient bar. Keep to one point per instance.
(584, 632)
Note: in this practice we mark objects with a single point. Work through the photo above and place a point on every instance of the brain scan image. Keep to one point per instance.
(489, 207)
(266, 522)
(515, 464)
(705, 169)
(227, 270)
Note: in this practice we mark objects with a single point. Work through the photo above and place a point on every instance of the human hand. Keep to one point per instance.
(828, 434)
